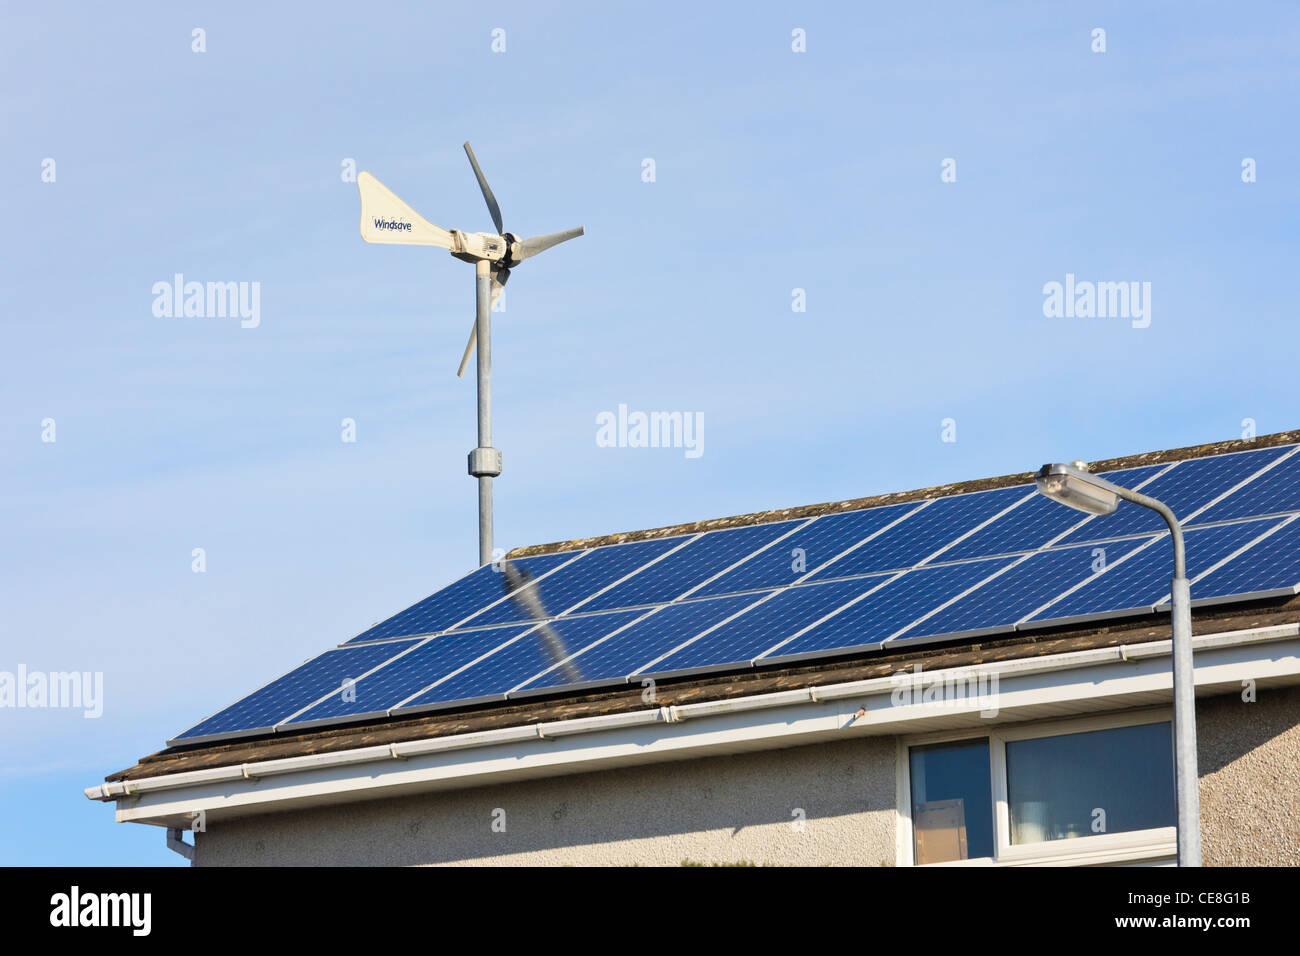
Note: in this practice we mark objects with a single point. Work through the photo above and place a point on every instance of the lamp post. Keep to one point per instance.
(1074, 486)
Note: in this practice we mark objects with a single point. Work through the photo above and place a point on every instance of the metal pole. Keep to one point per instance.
(1186, 775)
(484, 461)
(1185, 769)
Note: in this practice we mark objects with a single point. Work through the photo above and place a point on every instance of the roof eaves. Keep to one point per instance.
(1211, 620)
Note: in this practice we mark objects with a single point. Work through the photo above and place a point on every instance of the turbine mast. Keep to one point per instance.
(484, 461)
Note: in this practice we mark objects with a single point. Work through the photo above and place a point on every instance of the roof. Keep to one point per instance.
(938, 491)
(579, 703)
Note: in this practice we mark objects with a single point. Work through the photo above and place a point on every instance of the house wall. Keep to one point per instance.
(712, 810)
(727, 809)
(1249, 761)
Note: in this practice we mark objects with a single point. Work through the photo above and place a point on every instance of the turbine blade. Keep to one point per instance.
(493, 208)
(500, 275)
(469, 349)
(523, 593)
(386, 218)
(525, 248)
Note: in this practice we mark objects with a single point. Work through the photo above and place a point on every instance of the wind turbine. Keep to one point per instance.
(386, 218)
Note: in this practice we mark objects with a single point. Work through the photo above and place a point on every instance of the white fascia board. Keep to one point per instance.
(1081, 681)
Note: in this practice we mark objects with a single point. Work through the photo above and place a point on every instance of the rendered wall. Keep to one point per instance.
(1249, 761)
(715, 810)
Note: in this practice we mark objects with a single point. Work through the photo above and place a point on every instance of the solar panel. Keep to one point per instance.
(1185, 488)
(1024, 587)
(285, 695)
(1271, 565)
(1036, 522)
(888, 610)
(1277, 490)
(409, 674)
(984, 562)
(743, 638)
(1141, 578)
(816, 543)
(649, 638)
(926, 532)
(460, 599)
(514, 663)
(571, 585)
(701, 559)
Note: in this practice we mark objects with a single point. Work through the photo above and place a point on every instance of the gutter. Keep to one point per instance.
(251, 773)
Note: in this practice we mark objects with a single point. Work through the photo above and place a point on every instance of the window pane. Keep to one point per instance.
(952, 803)
(1056, 785)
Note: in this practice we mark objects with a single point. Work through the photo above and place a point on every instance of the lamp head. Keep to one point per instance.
(1073, 486)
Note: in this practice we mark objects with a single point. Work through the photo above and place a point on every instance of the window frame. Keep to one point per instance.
(1156, 846)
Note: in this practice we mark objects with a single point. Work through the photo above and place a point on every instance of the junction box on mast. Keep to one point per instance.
(485, 462)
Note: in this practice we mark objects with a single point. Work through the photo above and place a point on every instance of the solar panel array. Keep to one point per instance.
(945, 568)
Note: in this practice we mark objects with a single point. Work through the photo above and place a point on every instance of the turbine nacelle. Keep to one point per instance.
(473, 246)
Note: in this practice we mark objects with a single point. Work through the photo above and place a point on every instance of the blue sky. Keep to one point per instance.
(775, 171)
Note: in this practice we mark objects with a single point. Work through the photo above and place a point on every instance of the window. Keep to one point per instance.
(1089, 790)
(1100, 781)
(952, 803)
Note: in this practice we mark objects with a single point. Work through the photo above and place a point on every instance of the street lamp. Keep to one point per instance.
(1072, 485)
